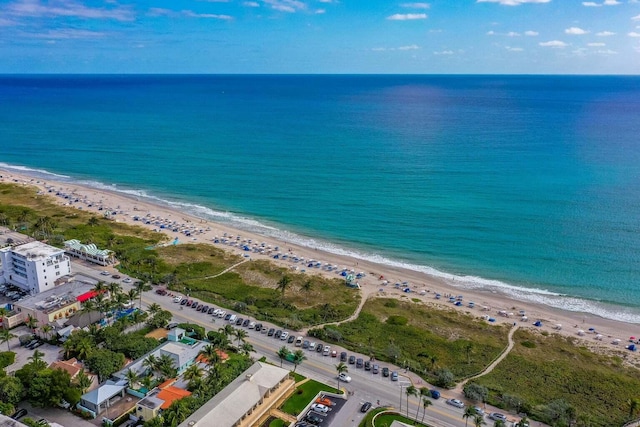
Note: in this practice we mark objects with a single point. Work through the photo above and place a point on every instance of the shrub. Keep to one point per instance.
(528, 344)
(444, 378)
(397, 320)
(7, 358)
(476, 392)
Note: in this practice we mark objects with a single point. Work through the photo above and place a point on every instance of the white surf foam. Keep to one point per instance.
(36, 173)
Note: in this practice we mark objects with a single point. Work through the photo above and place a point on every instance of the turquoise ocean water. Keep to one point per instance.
(525, 184)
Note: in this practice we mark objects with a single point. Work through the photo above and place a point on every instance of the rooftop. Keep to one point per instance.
(235, 400)
(58, 297)
(90, 248)
(36, 250)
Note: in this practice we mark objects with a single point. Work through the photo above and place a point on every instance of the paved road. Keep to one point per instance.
(364, 385)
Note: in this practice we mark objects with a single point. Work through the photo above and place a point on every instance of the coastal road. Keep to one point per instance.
(365, 386)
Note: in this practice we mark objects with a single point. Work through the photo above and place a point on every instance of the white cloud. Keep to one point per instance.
(289, 6)
(636, 18)
(416, 5)
(328, 1)
(157, 11)
(633, 34)
(605, 3)
(590, 4)
(251, 4)
(575, 31)
(70, 8)
(607, 52)
(320, 11)
(531, 33)
(514, 49)
(611, 2)
(554, 43)
(491, 33)
(513, 34)
(605, 33)
(512, 2)
(596, 44)
(386, 49)
(68, 34)
(407, 16)
(410, 47)
(444, 52)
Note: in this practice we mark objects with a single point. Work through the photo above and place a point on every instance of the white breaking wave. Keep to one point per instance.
(30, 171)
(534, 295)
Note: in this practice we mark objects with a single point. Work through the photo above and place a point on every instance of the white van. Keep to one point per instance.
(299, 342)
(221, 313)
(233, 318)
(312, 346)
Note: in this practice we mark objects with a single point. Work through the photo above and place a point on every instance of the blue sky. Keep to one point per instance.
(320, 36)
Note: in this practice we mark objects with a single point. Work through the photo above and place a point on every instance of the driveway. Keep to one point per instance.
(63, 417)
(51, 352)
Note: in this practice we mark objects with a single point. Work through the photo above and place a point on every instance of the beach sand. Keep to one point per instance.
(423, 287)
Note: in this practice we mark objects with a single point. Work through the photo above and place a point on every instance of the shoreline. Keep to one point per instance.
(493, 303)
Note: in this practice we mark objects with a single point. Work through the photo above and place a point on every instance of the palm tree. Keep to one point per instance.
(46, 329)
(226, 330)
(114, 289)
(246, 348)
(423, 392)
(193, 372)
(306, 287)
(154, 308)
(141, 287)
(166, 366)
(131, 295)
(4, 219)
(298, 358)
(83, 381)
(469, 412)
(478, 421)
(5, 336)
(282, 353)
(410, 391)
(93, 221)
(210, 352)
(146, 382)
(283, 284)
(132, 377)
(426, 402)
(36, 357)
(150, 362)
(341, 368)
(523, 422)
(240, 335)
(499, 423)
(32, 323)
(83, 349)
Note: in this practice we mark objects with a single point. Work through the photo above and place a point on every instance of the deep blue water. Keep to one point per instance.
(524, 181)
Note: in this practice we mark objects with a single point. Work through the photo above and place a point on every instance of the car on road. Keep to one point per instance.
(394, 376)
(344, 377)
(19, 414)
(127, 280)
(313, 418)
(352, 360)
(116, 276)
(326, 350)
(497, 416)
(291, 339)
(365, 407)
(343, 356)
(105, 273)
(455, 402)
(319, 407)
(435, 394)
(479, 410)
(271, 332)
(375, 369)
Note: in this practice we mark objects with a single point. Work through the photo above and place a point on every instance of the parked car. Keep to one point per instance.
(183, 301)
(394, 376)
(305, 344)
(227, 316)
(365, 407)
(344, 377)
(435, 394)
(278, 333)
(319, 407)
(271, 332)
(367, 365)
(247, 322)
(199, 307)
(252, 325)
(359, 363)
(319, 348)
(352, 360)
(284, 336)
(325, 401)
(171, 325)
(385, 372)
(127, 280)
(375, 369)
(312, 346)
(239, 321)
(326, 350)
(177, 299)
(455, 402)
(205, 309)
(211, 310)
(334, 353)
(497, 416)
(343, 356)
(258, 327)
(313, 418)
(19, 414)
(291, 339)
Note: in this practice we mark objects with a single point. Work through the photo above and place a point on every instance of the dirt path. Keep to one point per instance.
(505, 352)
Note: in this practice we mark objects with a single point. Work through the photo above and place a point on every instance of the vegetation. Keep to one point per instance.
(7, 358)
(441, 345)
(386, 419)
(555, 381)
(303, 395)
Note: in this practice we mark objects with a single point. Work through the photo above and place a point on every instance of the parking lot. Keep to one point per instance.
(328, 417)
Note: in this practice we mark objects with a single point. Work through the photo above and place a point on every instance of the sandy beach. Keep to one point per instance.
(602, 335)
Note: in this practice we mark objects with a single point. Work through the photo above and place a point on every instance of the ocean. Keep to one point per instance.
(528, 185)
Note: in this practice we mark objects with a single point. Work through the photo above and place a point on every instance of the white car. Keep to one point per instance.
(105, 273)
(312, 346)
(326, 350)
(455, 402)
(319, 407)
(177, 299)
(127, 280)
(344, 377)
(284, 336)
(252, 325)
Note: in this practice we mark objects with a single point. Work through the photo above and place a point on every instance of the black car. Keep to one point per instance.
(367, 366)
(319, 348)
(271, 332)
(228, 316)
(365, 407)
(239, 321)
(313, 418)
(291, 339)
(359, 363)
(343, 356)
(246, 323)
(352, 360)
(34, 344)
(199, 307)
(183, 302)
(205, 309)
(385, 372)
(258, 327)
(19, 414)
(278, 333)
(211, 310)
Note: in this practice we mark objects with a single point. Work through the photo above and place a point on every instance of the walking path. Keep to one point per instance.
(222, 272)
(495, 363)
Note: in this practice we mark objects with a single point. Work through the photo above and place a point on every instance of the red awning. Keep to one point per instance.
(86, 296)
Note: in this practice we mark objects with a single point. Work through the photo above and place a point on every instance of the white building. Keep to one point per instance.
(89, 252)
(34, 267)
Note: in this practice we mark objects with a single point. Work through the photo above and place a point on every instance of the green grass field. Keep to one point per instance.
(303, 395)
